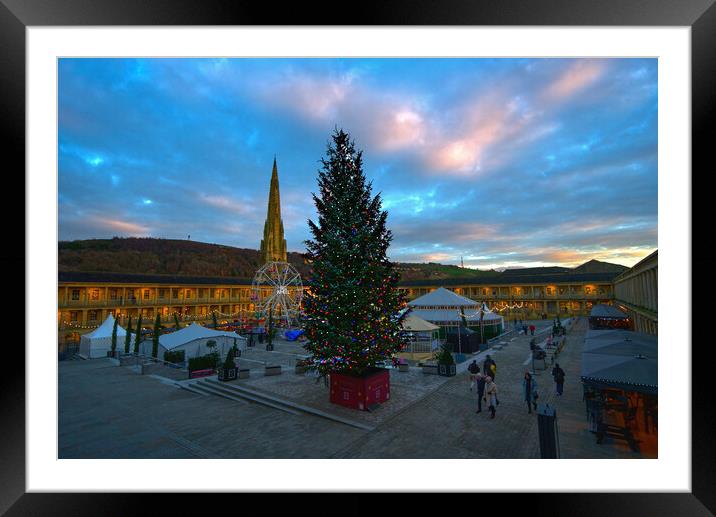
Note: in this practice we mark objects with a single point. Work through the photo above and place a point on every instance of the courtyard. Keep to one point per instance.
(108, 411)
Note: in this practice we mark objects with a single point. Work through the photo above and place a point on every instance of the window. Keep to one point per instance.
(187, 294)
(484, 292)
(75, 294)
(91, 315)
(94, 294)
(161, 293)
(146, 294)
(73, 316)
(175, 294)
(112, 294)
(588, 290)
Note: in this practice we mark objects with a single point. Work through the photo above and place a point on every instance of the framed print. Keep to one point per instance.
(416, 252)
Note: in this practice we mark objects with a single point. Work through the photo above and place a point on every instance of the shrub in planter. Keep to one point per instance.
(228, 371)
(446, 363)
(203, 362)
(176, 356)
(300, 367)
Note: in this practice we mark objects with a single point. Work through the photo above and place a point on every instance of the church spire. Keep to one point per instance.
(273, 245)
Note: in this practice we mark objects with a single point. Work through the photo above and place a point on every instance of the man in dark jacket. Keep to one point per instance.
(480, 392)
(558, 375)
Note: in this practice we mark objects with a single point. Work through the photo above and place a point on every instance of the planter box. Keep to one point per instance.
(194, 374)
(403, 367)
(300, 370)
(430, 369)
(244, 373)
(446, 370)
(228, 374)
(272, 370)
(360, 392)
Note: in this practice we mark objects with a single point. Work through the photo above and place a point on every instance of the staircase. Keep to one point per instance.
(211, 386)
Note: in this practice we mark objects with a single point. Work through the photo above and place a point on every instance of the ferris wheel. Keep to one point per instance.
(277, 287)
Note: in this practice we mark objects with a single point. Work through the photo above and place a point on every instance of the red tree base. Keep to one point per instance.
(360, 392)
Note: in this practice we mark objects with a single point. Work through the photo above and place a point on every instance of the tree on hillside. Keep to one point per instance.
(352, 303)
(128, 336)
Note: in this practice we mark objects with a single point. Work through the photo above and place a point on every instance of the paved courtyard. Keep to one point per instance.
(108, 411)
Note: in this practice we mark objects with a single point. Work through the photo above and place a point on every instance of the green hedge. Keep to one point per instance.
(174, 357)
(204, 362)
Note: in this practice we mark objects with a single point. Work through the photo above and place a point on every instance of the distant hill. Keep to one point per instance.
(188, 258)
(596, 266)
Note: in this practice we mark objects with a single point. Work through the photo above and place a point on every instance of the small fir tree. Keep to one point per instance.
(128, 336)
(114, 336)
(352, 304)
(213, 319)
(155, 338)
(138, 335)
(176, 321)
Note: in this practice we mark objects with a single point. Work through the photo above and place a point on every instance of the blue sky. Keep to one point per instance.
(504, 162)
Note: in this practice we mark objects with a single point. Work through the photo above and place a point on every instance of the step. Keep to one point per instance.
(214, 388)
(264, 398)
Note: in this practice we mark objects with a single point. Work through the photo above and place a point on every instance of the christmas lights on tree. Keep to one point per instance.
(352, 304)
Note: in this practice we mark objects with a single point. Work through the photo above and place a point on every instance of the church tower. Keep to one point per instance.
(273, 245)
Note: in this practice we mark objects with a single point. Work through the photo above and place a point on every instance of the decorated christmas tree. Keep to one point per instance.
(352, 305)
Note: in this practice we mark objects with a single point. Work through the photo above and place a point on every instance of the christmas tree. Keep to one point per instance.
(352, 304)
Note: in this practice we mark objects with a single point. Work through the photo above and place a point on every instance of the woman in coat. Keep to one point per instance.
(529, 391)
(491, 395)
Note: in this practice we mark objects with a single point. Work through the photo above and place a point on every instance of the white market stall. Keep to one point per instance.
(422, 335)
(192, 340)
(98, 342)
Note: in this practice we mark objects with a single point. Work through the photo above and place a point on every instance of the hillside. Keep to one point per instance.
(188, 258)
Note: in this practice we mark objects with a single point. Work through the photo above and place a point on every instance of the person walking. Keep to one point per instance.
(489, 367)
(474, 369)
(491, 395)
(529, 391)
(558, 375)
(532, 329)
(480, 387)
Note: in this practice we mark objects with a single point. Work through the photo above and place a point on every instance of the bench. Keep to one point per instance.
(272, 370)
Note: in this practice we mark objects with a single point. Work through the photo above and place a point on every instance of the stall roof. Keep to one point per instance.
(602, 310)
(453, 315)
(442, 297)
(413, 323)
(192, 333)
(623, 359)
(105, 329)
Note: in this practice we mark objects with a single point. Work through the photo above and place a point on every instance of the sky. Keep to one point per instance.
(495, 162)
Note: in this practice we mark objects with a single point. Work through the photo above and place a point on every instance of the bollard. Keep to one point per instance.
(548, 434)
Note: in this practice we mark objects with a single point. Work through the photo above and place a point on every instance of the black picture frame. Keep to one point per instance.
(700, 15)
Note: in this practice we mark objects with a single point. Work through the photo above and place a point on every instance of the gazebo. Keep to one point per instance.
(447, 309)
(422, 335)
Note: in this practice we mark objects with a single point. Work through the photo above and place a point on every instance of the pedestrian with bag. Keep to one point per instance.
(529, 391)
(558, 375)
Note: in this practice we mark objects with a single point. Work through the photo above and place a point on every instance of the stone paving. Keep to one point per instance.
(108, 411)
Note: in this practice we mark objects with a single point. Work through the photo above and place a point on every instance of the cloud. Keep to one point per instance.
(503, 161)
(575, 78)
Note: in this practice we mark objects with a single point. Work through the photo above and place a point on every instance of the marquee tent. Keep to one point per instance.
(446, 309)
(98, 342)
(192, 339)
